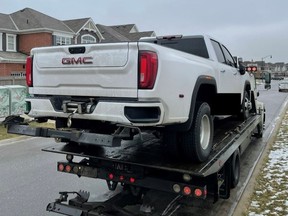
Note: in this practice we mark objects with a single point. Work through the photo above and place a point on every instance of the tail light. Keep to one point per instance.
(198, 192)
(61, 167)
(29, 81)
(68, 168)
(132, 180)
(111, 176)
(187, 190)
(148, 66)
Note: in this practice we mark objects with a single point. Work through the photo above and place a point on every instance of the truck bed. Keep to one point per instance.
(148, 152)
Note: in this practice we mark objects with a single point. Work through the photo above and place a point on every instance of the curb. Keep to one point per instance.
(244, 200)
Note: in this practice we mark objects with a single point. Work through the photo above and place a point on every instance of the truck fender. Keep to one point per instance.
(200, 81)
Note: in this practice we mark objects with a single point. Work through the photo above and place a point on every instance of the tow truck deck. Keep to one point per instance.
(148, 152)
(139, 166)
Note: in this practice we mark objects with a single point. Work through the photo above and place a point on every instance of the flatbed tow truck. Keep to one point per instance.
(140, 169)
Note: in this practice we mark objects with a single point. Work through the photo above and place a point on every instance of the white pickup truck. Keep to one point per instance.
(171, 85)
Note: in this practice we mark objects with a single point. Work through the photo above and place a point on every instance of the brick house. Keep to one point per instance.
(25, 29)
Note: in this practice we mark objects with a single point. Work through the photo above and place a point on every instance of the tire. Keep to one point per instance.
(259, 133)
(197, 141)
(245, 112)
(260, 126)
(235, 169)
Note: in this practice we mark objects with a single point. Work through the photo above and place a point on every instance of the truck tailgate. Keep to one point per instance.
(104, 70)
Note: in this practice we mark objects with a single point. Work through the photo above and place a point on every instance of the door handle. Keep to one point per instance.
(223, 71)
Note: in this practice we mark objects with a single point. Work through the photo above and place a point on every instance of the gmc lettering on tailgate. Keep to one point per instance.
(80, 60)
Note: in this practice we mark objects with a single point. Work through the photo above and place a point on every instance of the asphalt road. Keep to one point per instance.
(29, 180)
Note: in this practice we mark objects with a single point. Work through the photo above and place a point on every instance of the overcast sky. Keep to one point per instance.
(252, 29)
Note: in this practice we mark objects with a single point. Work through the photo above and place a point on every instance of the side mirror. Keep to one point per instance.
(267, 76)
(242, 69)
(239, 65)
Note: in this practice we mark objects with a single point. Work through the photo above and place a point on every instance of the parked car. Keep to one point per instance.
(283, 86)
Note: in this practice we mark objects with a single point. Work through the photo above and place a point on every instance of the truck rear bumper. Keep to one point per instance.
(131, 113)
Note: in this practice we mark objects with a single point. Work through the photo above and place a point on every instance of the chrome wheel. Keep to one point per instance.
(205, 132)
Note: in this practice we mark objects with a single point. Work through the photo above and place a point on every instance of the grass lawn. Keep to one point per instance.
(4, 134)
(271, 191)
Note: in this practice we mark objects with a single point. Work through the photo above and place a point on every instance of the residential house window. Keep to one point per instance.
(60, 40)
(11, 42)
(88, 39)
(1, 42)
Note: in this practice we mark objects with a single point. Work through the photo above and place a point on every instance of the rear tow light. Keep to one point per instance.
(29, 80)
(187, 191)
(68, 168)
(148, 67)
(111, 176)
(197, 192)
(61, 167)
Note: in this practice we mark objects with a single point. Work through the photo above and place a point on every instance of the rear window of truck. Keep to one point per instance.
(195, 46)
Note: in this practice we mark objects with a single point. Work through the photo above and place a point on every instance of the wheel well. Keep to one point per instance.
(206, 93)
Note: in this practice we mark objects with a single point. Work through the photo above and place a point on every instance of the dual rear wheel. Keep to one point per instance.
(196, 143)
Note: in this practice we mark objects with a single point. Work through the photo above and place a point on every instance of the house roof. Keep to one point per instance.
(131, 32)
(6, 22)
(127, 28)
(110, 35)
(76, 24)
(28, 19)
(137, 35)
(128, 32)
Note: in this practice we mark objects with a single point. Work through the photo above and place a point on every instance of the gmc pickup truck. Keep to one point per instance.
(172, 86)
